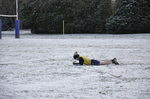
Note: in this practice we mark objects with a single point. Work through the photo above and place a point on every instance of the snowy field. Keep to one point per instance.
(40, 66)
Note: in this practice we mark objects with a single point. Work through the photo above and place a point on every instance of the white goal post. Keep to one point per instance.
(17, 22)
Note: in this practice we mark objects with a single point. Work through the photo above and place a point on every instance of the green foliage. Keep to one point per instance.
(131, 16)
(80, 16)
(7, 23)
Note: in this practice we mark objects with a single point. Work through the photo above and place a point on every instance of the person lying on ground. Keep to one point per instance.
(83, 60)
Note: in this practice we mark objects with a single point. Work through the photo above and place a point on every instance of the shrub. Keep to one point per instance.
(80, 16)
(131, 16)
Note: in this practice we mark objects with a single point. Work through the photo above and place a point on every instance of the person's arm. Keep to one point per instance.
(77, 64)
(81, 61)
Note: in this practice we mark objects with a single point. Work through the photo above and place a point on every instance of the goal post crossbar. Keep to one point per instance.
(8, 15)
(17, 25)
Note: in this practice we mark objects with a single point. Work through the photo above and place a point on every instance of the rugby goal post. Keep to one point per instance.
(17, 23)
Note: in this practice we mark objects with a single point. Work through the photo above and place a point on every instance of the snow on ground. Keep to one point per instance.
(40, 66)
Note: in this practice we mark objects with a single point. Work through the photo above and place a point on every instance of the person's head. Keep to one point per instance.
(76, 55)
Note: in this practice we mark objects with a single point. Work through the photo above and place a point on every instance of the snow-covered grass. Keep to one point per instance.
(40, 67)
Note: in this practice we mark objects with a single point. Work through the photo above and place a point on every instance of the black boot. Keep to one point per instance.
(114, 61)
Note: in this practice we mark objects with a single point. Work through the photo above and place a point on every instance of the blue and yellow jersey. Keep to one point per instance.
(84, 60)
